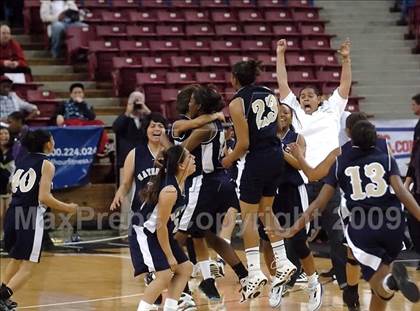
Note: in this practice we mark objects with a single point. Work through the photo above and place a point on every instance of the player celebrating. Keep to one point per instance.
(375, 228)
(24, 220)
(254, 112)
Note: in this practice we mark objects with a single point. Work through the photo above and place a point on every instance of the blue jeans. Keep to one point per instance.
(58, 30)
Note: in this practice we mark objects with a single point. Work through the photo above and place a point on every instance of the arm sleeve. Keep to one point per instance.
(120, 124)
(337, 103)
(23, 105)
(89, 112)
(331, 178)
(17, 49)
(45, 12)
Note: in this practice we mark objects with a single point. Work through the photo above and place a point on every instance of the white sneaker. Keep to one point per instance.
(196, 271)
(217, 268)
(275, 296)
(186, 303)
(243, 289)
(302, 278)
(254, 284)
(315, 297)
(285, 270)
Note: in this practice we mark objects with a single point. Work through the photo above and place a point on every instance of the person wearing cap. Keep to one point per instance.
(12, 59)
(11, 102)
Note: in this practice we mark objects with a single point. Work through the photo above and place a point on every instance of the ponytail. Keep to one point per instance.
(246, 72)
(363, 135)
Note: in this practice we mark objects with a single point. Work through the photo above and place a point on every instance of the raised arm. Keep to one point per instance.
(405, 196)
(281, 69)
(345, 81)
(240, 125)
(198, 136)
(181, 126)
(45, 196)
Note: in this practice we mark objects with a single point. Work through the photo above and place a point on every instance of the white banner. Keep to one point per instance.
(399, 134)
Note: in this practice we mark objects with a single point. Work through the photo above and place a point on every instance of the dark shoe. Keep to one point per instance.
(11, 304)
(3, 306)
(328, 274)
(208, 287)
(407, 287)
(150, 276)
(351, 299)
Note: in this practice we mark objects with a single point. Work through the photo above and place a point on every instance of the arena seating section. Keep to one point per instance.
(414, 25)
(162, 45)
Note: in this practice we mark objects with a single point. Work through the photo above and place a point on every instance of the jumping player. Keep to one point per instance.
(254, 111)
(375, 229)
(24, 220)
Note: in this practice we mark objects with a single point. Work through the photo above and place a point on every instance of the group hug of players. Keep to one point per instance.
(185, 181)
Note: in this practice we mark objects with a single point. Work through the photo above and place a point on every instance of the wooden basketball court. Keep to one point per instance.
(104, 281)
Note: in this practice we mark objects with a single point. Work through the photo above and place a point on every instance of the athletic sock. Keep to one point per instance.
(170, 305)
(389, 284)
(279, 250)
(205, 269)
(253, 259)
(240, 270)
(144, 306)
(187, 289)
(5, 292)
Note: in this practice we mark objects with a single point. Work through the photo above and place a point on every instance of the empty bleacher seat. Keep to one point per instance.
(185, 63)
(164, 47)
(124, 70)
(100, 59)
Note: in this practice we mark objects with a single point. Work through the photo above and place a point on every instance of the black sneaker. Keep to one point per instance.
(407, 287)
(351, 299)
(11, 304)
(150, 276)
(208, 287)
(328, 274)
(3, 306)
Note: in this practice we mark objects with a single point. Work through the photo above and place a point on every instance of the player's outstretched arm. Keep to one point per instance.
(281, 69)
(127, 181)
(181, 126)
(346, 76)
(45, 196)
(405, 196)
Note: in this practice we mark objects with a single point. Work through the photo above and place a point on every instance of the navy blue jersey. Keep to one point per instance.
(381, 144)
(196, 152)
(213, 149)
(148, 212)
(290, 174)
(364, 177)
(144, 169)
(26, 179)
(261, 109)
(233, 170)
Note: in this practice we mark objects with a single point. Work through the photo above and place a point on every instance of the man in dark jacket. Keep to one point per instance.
(413, 176)
(128, 126)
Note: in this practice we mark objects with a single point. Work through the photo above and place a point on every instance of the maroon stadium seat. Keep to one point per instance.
(278, 16)
(214, 62)
(229, 30)
(173, 32)
(216, 78)
(185, 4)
(214, 4)
(286, 30)
(249, 16)
(293, 44)
(154, 4)
(185, 63)
(253, 47)
(180, 78)
(100, 59)
(133, 48)
(242, 4)
(124, 70)
(199, 31)
(258, 30)
(156, 64)
(233, 59)
(141, 17)
(329, 75)
(115, 17)
(46, 101)
(195, 47)
(225, 16)
(301, 76)
(196, 16)
(141, 32)
(171, 17)
(298, 59)
(111, 33)
(306, 15)
(77, 42)
(325, 59)
(268, 61)
(225, 47)
(164, 48)
(318, 44)
(152, 84)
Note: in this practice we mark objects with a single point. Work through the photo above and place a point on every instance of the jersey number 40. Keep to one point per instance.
(23, 181)
(259, 107)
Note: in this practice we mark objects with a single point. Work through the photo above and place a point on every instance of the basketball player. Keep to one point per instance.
(290, 201)
(375, 229)
(254, 112)
(24, 220)
(158, 216)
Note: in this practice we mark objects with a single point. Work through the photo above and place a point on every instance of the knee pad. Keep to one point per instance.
(352, 261)
(301, 248)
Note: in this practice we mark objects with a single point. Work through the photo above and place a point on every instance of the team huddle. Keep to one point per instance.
(191, 180)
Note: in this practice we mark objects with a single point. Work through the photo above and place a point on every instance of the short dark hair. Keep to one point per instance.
(311, 86)
(355, 117)
(183, 98)
(34, 141)
(246, 72)
(416, 98)
(209, 99)
(155, 117)
(17, 116)
(77, 84)
(363, 135)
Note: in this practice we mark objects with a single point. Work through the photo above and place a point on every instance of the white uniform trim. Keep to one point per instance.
(304, 201)
(144, 247)
(364, 258)
(39, 233)
(193, 193)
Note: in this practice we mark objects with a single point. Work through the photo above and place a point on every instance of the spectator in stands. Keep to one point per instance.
(60, 15)
(11, 54)
(405, 6)
(10, 102)
(7, 163)
(128, 126)
(413, 176)
(17, 130)
(75, 111)
(13, 10)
